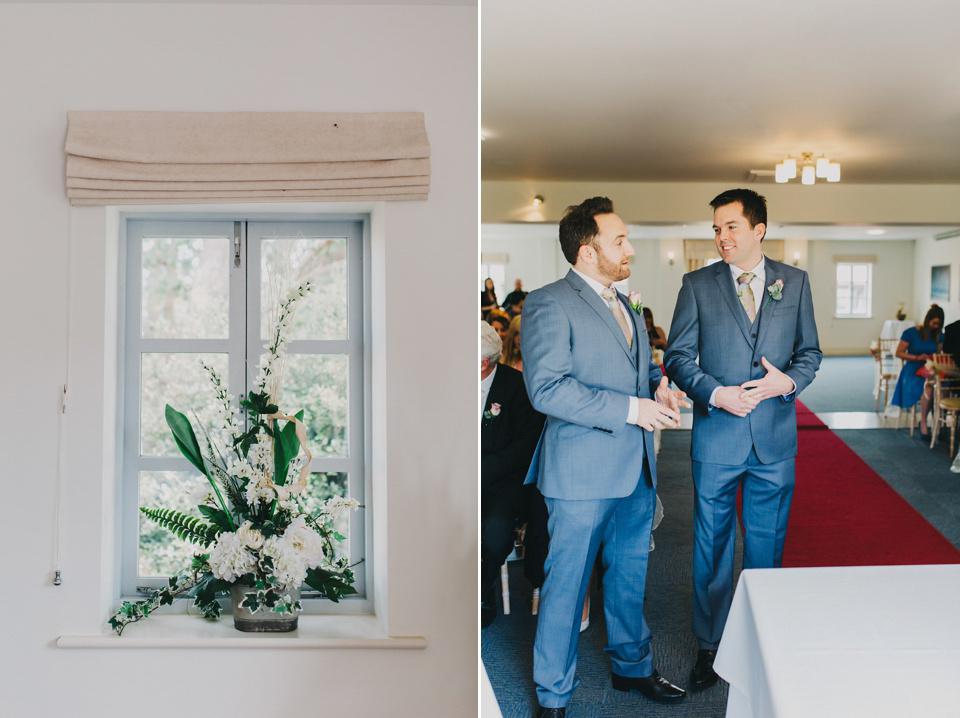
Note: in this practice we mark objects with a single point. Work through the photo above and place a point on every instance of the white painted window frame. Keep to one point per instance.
(356, 347)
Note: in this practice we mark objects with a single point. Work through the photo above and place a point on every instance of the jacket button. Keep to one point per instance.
(756, 363)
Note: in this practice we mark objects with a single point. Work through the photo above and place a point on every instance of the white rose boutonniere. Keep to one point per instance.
(493, 412)
(635, 302)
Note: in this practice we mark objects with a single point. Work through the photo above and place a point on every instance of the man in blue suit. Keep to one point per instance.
(750, 322)
(587, 367)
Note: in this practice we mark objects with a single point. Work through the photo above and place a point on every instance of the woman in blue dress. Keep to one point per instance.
(917, 345)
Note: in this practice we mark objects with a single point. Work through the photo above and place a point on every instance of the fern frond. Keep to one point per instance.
(189, 528)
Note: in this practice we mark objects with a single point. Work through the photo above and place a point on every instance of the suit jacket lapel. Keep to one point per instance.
(774, 271)
(729, 294)
(602, 310)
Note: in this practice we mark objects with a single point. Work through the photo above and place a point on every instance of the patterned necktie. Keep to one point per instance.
(610, 297)
(746, 294)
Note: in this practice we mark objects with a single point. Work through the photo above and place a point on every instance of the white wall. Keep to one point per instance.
(195, 57)
(932, 253)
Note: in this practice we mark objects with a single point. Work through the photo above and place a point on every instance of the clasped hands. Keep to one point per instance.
(741, 400)
(665, 411)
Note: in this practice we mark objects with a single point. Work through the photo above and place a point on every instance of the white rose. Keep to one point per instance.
(249, 536)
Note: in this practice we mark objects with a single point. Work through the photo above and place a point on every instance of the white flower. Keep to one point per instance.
(337, 504)
(203, 496)
(249, 536)
(230, 559)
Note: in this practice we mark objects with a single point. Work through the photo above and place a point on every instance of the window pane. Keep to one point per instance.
(860, 273)
(318, 385)
(180, 381)
(161, 552)
(287, 263)
(843, 303)
(859, 300)
(325, 486)
(843, 273)
(185, 287)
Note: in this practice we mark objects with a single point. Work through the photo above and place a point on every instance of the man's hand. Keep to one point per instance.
(674, 398)
(774, 383)
(735, 400)
(653, 414)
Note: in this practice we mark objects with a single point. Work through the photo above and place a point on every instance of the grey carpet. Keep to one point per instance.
(842, 384)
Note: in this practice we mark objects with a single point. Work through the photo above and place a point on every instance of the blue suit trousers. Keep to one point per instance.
(577, 529)
(767, 494)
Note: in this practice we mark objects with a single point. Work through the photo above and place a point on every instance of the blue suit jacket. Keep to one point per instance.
(710, 322)
(580, 373)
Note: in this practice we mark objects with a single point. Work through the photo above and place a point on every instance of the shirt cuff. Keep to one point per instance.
(634, 411)
(713, 394)
(792, 391)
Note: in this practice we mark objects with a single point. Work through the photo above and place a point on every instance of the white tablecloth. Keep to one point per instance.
(866, 641)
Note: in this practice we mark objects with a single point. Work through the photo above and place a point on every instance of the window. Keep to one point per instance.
(204, 291)
(854, 289)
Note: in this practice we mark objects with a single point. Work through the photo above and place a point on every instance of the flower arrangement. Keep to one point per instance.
(253, 528)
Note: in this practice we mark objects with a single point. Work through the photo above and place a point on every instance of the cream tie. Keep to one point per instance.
(610, 297)
(746, 294)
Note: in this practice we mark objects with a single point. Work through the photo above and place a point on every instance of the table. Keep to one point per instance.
(844, 642)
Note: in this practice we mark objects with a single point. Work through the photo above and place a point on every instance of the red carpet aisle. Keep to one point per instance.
(844, 514)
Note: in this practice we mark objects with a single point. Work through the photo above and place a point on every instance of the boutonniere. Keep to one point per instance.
(493, 412)
(775, 291)
(634, 299)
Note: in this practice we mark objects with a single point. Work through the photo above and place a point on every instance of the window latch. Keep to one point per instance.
(236, 244)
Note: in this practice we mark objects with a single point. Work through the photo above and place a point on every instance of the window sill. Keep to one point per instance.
(180, 631)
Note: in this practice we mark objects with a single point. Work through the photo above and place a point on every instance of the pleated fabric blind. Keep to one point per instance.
(212, 157)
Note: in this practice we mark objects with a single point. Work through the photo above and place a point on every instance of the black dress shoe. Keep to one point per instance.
(703, 675)
(552, 713)
(655, 687)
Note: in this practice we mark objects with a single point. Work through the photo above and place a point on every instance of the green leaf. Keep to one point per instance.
(331, 585)
(185, 437)
(189, 528)
(286, 445)
(218, 517)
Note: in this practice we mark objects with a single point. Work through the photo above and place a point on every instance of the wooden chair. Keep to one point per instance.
(888, 368)
(946, 398)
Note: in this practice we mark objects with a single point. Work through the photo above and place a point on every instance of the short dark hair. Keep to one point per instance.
(754, 205)
(578, 226)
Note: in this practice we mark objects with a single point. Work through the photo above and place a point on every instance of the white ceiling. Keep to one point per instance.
(700, 90)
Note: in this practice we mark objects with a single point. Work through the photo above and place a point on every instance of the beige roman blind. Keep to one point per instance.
(212, 157)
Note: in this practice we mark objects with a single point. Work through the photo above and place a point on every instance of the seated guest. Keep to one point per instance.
(511, 346)
(513, 302)
(499, 320)
(917, 346)
(488, 298)
(658, 338)
(509, 430)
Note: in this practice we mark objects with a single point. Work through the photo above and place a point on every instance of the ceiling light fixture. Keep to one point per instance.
(537, 200)
(810, 169)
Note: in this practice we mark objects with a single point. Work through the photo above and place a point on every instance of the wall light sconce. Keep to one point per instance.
(538, 200)
(796, 258)
(670, 256)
